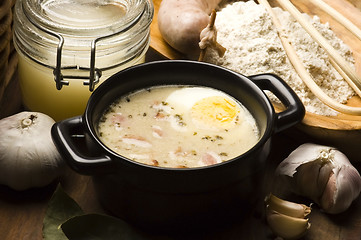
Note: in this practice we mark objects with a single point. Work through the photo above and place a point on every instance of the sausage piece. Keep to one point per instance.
(181, 21)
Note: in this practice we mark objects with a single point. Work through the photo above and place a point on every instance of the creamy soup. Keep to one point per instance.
(178, 127)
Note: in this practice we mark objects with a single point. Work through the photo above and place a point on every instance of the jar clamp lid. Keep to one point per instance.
(109, 27)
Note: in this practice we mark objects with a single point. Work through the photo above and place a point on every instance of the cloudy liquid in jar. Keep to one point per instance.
(121, 40)
(178, 127)
(40, 94)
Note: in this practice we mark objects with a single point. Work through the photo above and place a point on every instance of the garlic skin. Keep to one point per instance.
(322, 174)
(28, 156)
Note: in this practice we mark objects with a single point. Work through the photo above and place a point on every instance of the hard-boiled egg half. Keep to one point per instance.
(207, 108)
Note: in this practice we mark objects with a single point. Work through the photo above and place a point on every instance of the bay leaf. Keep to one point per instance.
(100, 227)
(61, 207)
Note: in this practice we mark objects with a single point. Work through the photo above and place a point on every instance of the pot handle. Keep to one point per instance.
(294, 112)
(64, 134)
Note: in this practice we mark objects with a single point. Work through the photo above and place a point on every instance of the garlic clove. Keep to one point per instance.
(286, 207)
(324, 175)
(342, 189)
(327, 200)
(310, 173)
(286, 227)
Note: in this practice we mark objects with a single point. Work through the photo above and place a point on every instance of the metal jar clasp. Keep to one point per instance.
(94, 73)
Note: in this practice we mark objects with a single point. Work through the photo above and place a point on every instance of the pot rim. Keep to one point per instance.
(99, 93)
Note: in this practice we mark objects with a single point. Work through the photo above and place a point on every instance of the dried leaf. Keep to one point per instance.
(98, 227)
(61, 208)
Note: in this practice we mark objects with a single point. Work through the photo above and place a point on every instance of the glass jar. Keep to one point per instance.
(68, 47)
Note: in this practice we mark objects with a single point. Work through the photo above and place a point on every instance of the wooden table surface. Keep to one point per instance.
(22, 213)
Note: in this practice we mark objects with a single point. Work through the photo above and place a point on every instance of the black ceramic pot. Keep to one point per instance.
(158, 198)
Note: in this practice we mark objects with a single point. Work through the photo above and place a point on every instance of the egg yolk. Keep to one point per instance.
(215, 112)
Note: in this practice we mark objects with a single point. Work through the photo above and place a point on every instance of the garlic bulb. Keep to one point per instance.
(322, 174)
(28, 156)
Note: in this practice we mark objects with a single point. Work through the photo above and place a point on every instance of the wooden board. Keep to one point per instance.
(342, 130)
